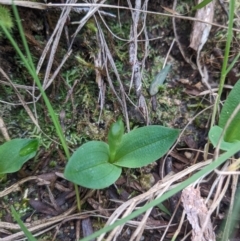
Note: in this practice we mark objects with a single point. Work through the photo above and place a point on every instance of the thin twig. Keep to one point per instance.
(50, 5)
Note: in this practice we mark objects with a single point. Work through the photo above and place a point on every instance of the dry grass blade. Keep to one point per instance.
(34, 120)
(59, 28)
(83, 21)
(26, 4)
(24, 104)
(16, 187)
(137, 235)
(56, 72)
(137, 65)
(188, 60)
(178, 229)
(107, 57)
(220, 193)
(59, 24)
(99, 65)
(50, 5)
(4, 130)
(18, 86)
(157, 190)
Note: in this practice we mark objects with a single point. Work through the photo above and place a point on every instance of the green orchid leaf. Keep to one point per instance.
(144, 145)
(14, 153)
(233, 100)
(158, 80)
(214, 136)
(89, 166)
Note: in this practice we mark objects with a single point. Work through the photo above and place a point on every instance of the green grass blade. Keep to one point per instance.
(29, 56)
(232, 64)
(232, 218)
(22, 226)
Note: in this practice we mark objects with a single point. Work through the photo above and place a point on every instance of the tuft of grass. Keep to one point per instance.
(6, 17)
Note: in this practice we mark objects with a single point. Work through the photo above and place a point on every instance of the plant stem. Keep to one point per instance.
(225, 60)
(78, 197)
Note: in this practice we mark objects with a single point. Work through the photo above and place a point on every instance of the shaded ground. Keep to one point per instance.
(50, 205)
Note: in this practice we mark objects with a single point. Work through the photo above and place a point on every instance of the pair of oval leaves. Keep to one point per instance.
(97, 164)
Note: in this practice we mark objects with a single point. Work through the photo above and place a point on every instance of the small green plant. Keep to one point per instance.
(97, 164)
(228, 130)
(14, 153)
(232, 133)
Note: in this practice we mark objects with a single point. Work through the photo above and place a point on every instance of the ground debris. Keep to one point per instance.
(201, 30)
(197, 215)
